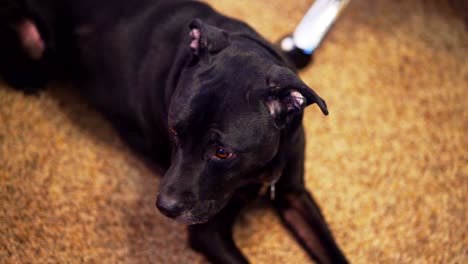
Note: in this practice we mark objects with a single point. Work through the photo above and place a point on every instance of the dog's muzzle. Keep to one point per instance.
(188, 212)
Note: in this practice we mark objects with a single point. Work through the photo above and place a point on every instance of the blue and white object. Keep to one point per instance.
(314, 26)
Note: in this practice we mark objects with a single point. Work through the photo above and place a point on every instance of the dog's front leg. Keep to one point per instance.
(214, 238)
(298, 210)
(303, 218)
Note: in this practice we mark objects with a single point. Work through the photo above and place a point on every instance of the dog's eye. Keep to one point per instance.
(223, 153)
(173, 131)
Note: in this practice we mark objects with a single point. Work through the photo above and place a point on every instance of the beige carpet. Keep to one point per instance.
(389, 165)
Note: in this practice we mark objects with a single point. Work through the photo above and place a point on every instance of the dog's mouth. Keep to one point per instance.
(200, 213)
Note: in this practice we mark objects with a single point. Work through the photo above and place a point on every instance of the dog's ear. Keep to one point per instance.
(288, 95)
(206, 38)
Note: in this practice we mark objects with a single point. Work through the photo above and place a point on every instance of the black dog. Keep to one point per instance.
(200, 93)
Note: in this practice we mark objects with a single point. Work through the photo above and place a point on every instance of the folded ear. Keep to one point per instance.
(288, 95)
(206, 38)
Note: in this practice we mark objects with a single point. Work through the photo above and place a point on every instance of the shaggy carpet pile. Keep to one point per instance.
(388, 166)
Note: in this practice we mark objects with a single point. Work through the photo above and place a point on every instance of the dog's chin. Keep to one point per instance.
(201, 213)
(189, 219)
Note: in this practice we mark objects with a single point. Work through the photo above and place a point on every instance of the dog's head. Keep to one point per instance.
(225, 120)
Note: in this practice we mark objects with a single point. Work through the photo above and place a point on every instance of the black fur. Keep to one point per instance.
(202, 94)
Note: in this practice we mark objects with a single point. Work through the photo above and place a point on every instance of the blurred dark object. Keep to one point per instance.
(311, 31)
(296, 55)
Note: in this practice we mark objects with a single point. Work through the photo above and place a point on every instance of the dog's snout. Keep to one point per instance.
(170, 206)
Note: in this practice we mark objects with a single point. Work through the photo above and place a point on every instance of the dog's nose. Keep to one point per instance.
(169, 205)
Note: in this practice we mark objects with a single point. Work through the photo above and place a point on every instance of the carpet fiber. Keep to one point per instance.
(388, 166)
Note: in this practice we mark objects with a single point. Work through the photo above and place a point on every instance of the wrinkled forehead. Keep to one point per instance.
(245, 130)
(224, 100)
(242, 129)
(231, 81)
(232, 73)
(238, 63)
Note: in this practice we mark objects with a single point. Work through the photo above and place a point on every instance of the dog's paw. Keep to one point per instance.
(30, 38)
(22, 49)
